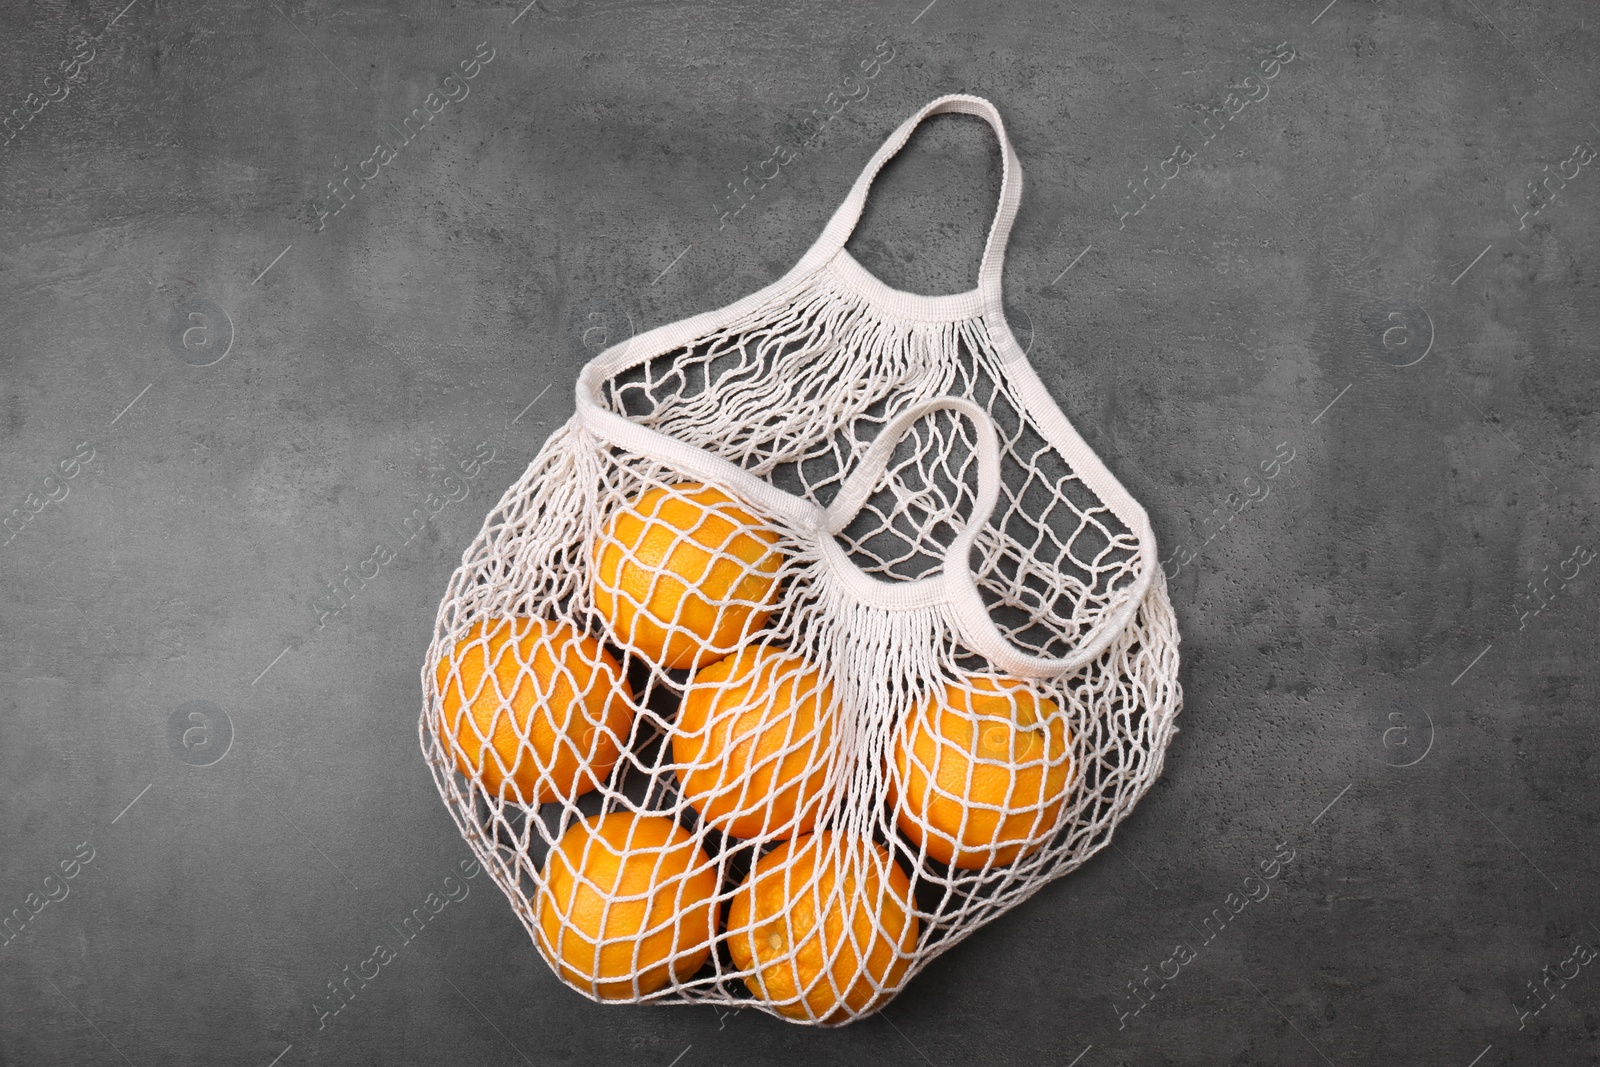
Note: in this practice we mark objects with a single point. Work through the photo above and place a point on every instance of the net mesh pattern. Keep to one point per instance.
(699, 764)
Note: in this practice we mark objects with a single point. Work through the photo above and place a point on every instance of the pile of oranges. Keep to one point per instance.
(824, 924)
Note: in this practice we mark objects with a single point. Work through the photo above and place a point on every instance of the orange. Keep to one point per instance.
(752, 741)
(683, 573)
(825, 925)
(626, 904)
(552, 705)
(980, 777)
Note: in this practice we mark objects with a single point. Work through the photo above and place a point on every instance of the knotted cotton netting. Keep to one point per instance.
(815, 639)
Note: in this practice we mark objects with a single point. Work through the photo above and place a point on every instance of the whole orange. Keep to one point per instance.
(979, 775)
(533, 709)
(683, 574)
(626, 904)
(752, 741)
(825, 926)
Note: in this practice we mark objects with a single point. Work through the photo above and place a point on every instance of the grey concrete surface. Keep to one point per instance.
(218, 407)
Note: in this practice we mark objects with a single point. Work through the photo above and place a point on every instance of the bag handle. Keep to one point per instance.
(955, 585)
(848, 214)
(857, 488)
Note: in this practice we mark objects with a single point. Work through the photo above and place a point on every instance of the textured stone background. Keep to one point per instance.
(1351, 640)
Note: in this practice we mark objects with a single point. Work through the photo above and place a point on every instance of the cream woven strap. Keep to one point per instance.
(829, 264)
(848, 214)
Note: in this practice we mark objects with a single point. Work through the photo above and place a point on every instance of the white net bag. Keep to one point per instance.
(816, 639)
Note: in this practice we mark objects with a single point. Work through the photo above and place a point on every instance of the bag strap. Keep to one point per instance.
(955, 585)
(848, 214)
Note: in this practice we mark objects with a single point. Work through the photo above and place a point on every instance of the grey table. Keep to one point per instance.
(244, 345)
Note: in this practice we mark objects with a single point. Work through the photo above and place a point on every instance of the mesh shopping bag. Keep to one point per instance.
(816, 639)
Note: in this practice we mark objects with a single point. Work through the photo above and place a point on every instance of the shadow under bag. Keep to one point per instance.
(814, 640)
